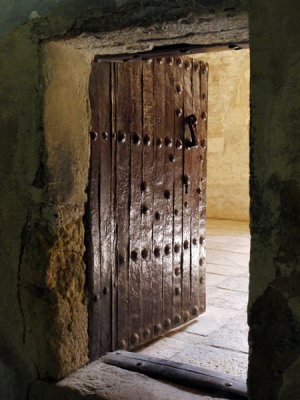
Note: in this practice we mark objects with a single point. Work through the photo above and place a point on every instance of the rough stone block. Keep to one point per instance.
(100, 381)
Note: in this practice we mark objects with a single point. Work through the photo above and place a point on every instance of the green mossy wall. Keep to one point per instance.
(33, 231)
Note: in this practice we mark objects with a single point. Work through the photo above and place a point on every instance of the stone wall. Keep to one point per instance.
(228, 134)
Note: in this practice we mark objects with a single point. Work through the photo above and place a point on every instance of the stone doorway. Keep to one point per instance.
(65, 69)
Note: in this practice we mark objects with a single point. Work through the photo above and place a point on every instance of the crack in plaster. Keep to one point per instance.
(24, 241)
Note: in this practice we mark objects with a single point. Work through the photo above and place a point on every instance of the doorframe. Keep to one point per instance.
(163, 51)
(66, 69)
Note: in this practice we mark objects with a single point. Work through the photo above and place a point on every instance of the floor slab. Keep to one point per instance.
(225, 298)
(213, 319)
(228, 338)
(218, 359)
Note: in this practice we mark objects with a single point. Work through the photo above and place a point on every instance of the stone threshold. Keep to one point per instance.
(98, 381)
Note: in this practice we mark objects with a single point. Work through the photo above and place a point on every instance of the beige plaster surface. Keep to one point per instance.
(228, 134)
(66, 127)
(67, 122)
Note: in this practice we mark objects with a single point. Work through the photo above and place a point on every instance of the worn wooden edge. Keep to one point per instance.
(92, 232)
(174, 50)
(183, 374)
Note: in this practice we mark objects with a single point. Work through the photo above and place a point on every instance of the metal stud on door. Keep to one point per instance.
(151, 155)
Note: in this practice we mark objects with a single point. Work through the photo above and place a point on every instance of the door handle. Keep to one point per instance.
(191, 120)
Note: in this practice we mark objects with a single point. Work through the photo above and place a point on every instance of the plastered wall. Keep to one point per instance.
(66, 121)
(228, 134)
(274, 303)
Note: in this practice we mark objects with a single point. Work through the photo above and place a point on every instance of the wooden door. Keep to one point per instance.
(147, 198)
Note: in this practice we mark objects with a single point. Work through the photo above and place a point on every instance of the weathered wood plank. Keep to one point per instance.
(184, 374)
(195, 196)
(136, 246)
(93, 238)
(114, 297)
(104, 130)
(122, 196)
(178, 192)
(147, 143)
(203, 176)
(168, 195)
(187, 195)
(158, 200)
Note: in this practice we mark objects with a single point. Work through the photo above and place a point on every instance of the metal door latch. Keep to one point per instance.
(191, 120)
(186, 181)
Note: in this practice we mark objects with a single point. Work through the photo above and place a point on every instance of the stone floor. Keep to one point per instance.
(217, 340)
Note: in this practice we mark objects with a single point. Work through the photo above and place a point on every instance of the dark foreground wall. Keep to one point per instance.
(274, 313)
(35, 228)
